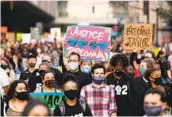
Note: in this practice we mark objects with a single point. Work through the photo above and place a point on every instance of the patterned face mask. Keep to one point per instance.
(49, 83)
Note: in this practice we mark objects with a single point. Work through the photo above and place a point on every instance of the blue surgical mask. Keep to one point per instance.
(141, 71)
(86, 68)
(98, 80)
(152, 110)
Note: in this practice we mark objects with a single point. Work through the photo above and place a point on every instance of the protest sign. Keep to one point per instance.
(91, 42)
(35, 34)
(26, 38)
(10, 37)
(19, 37)
(51, 99)
(137, 37)
(55, 33)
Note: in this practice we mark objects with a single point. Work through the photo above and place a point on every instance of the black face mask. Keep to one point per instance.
(32, 64)
(4, 66)
(119, 73)
(131, 75)
(158, 81)
(71, 94)
(41, 72)
(22, 95)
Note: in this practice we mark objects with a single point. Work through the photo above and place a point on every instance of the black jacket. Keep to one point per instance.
(127, 92)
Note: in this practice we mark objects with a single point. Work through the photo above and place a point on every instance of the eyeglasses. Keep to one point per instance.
(73, 61)
(82, 43)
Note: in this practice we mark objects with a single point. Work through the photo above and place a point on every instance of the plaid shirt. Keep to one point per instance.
(100, 100)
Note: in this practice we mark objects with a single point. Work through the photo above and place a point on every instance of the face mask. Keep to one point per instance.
(86, 69)
(41, 72)
(131, 75)
(4, 66)
(163, 58)
(73, 66)
(98, 80)
(71, 94)
(158, 81)
(141, 71)
(31, 64)
(119, 73)
(22, 95)
(152, 110)
(49, 83)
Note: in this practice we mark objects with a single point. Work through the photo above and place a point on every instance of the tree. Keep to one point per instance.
(166, 14)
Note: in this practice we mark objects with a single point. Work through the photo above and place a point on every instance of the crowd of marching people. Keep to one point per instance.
(131, 84)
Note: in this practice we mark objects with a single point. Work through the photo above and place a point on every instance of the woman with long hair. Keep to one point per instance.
(17, 98)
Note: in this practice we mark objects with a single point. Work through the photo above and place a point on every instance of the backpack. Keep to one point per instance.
(62, 106)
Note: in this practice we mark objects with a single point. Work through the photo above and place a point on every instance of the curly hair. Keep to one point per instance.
(119, 59)
(69, 77)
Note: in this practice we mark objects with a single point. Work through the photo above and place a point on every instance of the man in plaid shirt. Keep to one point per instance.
(99, 96)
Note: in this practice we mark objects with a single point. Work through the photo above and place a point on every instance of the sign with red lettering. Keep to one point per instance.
(90, 42)
(137, 37)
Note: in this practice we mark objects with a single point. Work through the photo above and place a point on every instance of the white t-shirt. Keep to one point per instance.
(3, 80)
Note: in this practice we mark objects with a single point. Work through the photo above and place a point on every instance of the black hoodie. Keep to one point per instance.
(122, 91)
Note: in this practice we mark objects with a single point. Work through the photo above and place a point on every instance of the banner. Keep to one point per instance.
(91, 42)
(35, 34)
(55, 33)
(137, 37)
(19, 37)
(51, 99)
(26, 37)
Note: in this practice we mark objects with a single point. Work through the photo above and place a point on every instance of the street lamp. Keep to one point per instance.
(157, 23)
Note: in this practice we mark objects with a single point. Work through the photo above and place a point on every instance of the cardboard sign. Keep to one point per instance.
(51, 99)
(137, 37)
(26, 37)
(35, 34)
(91, 42)
(55, 33)
(10, 36)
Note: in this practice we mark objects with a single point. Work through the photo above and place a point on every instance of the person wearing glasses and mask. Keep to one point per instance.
(99, 96)
(72, 105)
(74, 68)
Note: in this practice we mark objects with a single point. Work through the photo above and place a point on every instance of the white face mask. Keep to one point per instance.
(73, 66)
